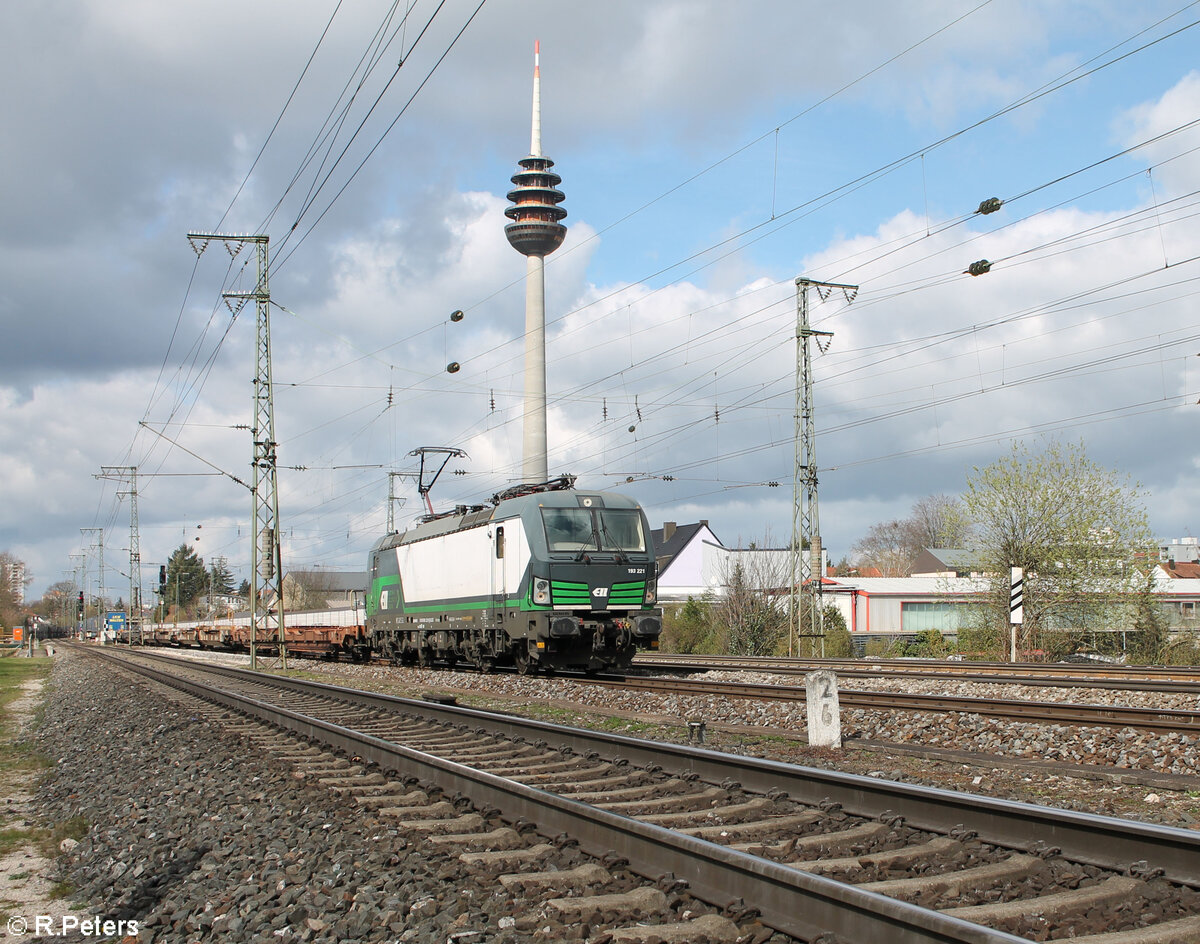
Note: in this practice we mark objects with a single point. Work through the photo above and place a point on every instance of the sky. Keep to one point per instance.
(711, 154)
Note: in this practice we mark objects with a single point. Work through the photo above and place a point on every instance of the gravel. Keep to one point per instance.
(197, 838)
(1172, 752)
(1000, 748)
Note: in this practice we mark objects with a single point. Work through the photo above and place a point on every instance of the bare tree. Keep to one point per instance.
(308, 590)
(939, 521)
(752, 613)
(893, 546)
(888, 547)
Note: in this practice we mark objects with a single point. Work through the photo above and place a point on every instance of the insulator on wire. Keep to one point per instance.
(982, 267)
(456, 315)
(990, 205)
(453, 367)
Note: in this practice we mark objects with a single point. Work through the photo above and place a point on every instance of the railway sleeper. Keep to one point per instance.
(1179, 931)
(580, 877)
(758, 806)
(506, 858)
(755, 829)
(502, 837)
(689, 802)
(373, 779)
(952, 883)
(895, 858)
(647, 790)
(443, 809)
(392, 798)
(713, 927)
(467, 823)
(553, 780)
(822, 843)
(1054, 907)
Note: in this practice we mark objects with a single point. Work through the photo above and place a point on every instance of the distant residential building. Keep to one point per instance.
(318, 589)
(692, 561)
(1179, 550)
(15, 574)
(680, 553)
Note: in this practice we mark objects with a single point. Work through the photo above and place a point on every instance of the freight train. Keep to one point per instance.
(542, 578)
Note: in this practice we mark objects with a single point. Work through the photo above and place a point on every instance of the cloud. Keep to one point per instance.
(671, 306)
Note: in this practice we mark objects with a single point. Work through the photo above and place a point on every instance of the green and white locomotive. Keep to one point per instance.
(546, 577)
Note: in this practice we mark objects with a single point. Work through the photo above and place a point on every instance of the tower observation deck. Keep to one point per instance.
(535, 229)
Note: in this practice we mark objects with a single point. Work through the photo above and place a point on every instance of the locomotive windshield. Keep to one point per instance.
(594, 529)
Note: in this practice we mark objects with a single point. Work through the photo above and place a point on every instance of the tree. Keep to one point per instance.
(187, 579)
(1148, 641)
(893, 546)
(690, 627)
(308, 589)
(58, 603)
(939, 521)
(886, 547)
(1078, 531)
(220, 577)
(839, 644)
(752, 615)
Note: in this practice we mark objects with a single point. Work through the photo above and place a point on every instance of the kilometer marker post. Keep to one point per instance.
(1016, 609)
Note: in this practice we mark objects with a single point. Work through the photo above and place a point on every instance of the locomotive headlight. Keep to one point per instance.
(541, 590)
(651, 595)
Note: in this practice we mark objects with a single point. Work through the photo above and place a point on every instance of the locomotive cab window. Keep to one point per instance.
(499, 542)
(595, 529)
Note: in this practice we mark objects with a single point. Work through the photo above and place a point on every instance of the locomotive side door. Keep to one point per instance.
(499, 584)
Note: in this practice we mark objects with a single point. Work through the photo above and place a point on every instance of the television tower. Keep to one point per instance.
(535, 231)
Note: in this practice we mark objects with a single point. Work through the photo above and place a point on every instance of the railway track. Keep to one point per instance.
(811, 852)
(1158, 719)
(1092, 675)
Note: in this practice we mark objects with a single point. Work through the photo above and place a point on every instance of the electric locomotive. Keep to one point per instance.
(546, 577)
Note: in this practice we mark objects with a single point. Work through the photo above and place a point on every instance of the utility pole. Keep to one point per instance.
(80, 582)
(806, 527)
(121, 473)
(266, 564)
(99, 545)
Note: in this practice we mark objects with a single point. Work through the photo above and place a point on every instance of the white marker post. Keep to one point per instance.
(824, 715)
(1016, 611)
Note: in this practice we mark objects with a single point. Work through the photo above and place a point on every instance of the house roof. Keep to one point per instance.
(1181, 569)
(940, 559)
(671, 538)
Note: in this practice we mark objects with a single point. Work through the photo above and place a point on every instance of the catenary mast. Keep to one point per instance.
(535, 231)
